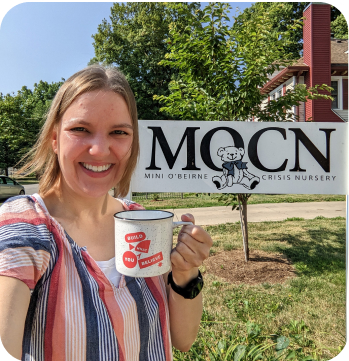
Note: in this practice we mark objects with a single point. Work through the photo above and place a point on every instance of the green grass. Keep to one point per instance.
(306, 314)
(24, 181)
(190, 200)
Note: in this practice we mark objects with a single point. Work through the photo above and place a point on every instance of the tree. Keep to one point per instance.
(339, 27)
(221, 69)
(21, 118)
(282, 17)
(6, 156)
(134, 40)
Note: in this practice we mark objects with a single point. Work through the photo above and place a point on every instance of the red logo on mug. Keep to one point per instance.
(130, 259)
(143, 246)
(135, 237)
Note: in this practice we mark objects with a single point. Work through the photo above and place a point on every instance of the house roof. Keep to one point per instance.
(339, 61)
(338, 51)
(280, 77)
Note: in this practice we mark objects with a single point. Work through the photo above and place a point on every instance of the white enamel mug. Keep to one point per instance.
(143, 242)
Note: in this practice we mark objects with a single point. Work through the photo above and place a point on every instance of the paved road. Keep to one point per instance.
(31, 188)
(265, 212)
(256, 212)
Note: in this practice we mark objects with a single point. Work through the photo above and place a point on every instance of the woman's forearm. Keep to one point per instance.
(14, 303)
(185, 314)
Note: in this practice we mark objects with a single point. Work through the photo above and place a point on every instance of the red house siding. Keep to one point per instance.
(307, 48)
(317, 54)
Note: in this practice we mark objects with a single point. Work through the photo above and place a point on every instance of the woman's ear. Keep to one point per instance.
(54, 141)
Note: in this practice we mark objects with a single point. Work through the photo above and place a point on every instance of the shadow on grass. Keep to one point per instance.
(317, 249)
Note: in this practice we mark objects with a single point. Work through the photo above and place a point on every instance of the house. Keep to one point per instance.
(324, 61)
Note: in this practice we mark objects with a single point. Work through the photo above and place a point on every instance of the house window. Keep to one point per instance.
(280, 93)
(334, 94)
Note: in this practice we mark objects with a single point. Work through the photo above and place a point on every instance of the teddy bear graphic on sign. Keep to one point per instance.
(234, 170)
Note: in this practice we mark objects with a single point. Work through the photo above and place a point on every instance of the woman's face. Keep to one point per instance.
(93, 142)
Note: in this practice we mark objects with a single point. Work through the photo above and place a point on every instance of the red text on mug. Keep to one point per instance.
(135, 237)
(129, 259)
(143, 246)
(149, 261)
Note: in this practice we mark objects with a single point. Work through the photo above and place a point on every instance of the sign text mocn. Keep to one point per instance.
(242, 157)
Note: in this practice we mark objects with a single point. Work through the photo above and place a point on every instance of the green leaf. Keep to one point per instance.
(282, 342)
(291, 355)
(239, 352)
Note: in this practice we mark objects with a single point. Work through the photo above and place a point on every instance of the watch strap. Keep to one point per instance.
(191, 290)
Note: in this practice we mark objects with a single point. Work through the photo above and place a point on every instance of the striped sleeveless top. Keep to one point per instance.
(75, 312)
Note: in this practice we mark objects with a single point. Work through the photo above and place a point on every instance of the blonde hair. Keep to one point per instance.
(42, 159)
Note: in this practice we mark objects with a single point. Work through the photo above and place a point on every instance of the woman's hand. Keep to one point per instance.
(193, 247)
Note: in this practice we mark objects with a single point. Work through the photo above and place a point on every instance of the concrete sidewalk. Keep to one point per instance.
(256, 212)
(264, 212)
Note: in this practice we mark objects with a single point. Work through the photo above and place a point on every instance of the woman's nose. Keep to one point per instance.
(99, 146)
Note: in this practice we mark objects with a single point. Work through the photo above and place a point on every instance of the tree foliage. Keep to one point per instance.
(282, 17)
(221, 68)
(134, 40)
(339, 27)
(21, 117)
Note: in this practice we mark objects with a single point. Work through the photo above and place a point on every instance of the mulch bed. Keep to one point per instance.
(262, 267)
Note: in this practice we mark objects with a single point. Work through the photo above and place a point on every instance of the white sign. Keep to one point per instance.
(242, 157)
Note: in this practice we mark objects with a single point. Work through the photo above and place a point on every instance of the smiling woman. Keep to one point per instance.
(61, 296)
(91, 84)
(94, 141)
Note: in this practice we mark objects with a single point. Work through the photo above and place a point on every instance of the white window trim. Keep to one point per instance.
(301, 105)
(294, 108)
(340, 90)
(276, 90)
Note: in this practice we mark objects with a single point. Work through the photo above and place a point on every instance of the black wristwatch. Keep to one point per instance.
(191, 290)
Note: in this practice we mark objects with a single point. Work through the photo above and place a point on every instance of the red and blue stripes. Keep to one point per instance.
(75, 312)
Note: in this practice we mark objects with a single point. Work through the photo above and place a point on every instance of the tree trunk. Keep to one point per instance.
(243, 220)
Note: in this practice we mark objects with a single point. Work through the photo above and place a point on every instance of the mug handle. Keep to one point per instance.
(177, 224)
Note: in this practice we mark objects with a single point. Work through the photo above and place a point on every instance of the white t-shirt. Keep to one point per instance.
(108, 268)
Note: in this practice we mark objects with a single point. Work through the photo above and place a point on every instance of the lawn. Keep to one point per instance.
(301, 319)
(27, 180)
(191, 200)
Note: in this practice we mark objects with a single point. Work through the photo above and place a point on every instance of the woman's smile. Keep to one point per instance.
(97, 171)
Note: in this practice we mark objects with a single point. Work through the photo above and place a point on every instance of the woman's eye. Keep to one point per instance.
(79, 129)
(118, 132)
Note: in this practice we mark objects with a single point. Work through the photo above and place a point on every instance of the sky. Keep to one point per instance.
(49, 41)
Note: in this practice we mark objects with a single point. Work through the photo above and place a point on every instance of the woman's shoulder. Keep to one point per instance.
(23, 209)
